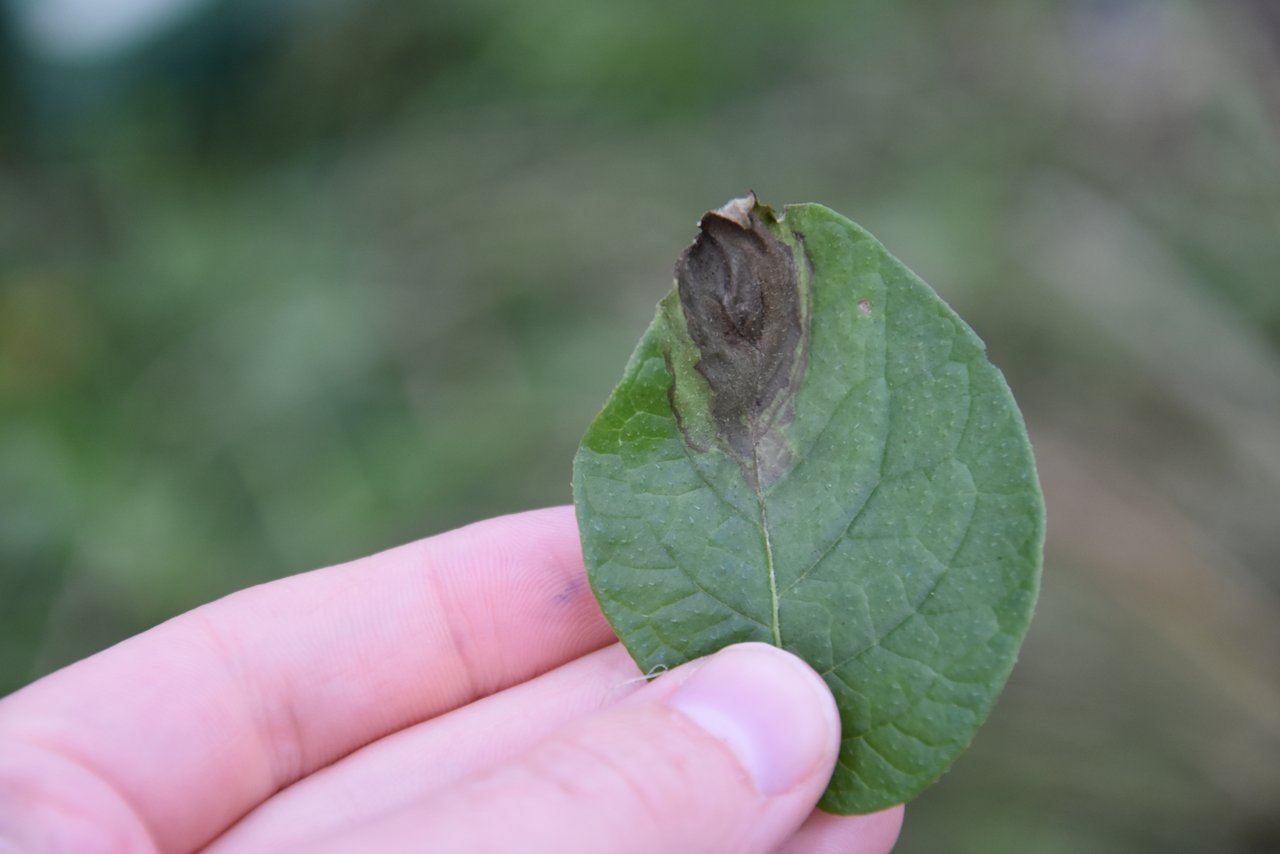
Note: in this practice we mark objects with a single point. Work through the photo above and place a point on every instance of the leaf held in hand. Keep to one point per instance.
(809, 448)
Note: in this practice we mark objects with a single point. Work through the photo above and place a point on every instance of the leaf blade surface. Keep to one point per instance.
(865, 496)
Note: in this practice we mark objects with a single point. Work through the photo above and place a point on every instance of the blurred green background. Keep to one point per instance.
(283, 284)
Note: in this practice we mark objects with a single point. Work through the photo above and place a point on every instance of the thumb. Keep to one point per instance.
(729, 753)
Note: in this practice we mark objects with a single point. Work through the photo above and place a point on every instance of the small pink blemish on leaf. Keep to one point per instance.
(864, 306)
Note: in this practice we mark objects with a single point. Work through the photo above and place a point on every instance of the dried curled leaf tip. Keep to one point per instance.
(743, 306)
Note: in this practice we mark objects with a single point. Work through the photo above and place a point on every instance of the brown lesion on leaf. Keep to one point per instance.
(690, 440)
(745, 308)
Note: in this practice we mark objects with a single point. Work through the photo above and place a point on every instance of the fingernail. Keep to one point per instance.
(769, 708)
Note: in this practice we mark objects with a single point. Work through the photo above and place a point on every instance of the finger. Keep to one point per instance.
(824, 833)
(196, 721)
(408, 766)
(390, 773)
(727, 755)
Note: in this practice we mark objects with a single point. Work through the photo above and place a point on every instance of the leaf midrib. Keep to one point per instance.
(775, 622)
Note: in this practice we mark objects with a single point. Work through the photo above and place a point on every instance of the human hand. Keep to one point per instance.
(461, 693)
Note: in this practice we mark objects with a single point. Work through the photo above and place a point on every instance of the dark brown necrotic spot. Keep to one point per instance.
(742, 303)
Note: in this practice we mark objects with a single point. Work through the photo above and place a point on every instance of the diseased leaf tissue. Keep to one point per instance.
(809, 448)
(746, 313)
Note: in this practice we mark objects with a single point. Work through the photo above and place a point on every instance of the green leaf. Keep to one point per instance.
(809, 448)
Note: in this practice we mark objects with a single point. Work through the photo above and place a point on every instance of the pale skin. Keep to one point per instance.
(461, 693)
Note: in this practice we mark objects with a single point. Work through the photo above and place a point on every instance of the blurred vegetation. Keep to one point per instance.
(296, 282)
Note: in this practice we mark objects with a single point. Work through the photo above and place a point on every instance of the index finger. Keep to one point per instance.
(198, 720)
